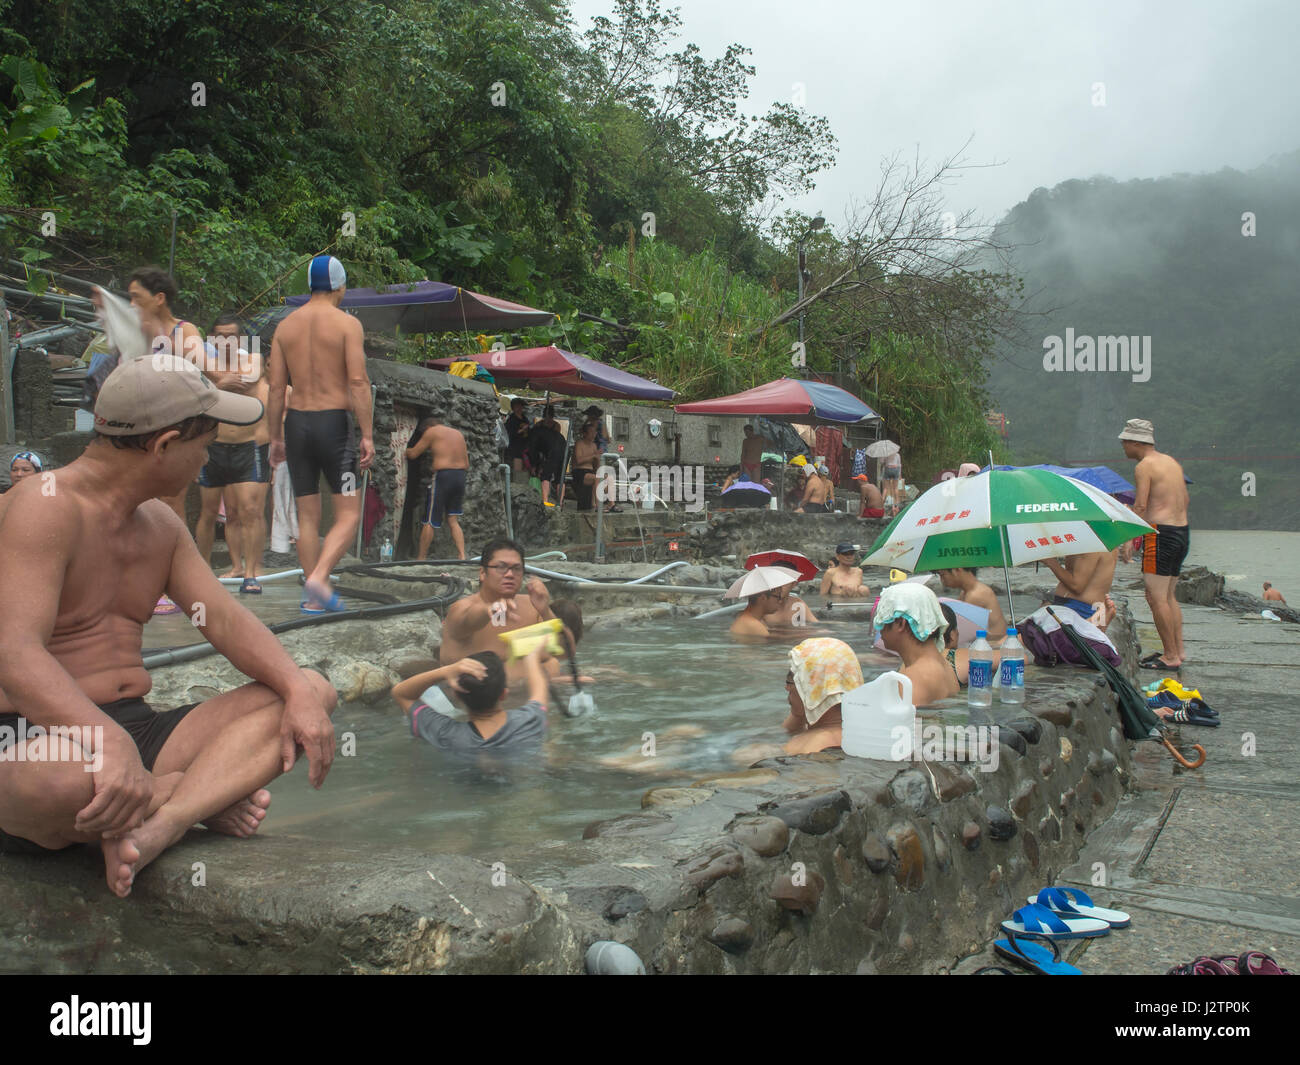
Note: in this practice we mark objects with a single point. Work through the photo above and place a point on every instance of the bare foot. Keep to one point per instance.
(241, 818)
(234, 573)
(121, 856)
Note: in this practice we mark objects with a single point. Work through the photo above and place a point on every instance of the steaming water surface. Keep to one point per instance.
(700, 693)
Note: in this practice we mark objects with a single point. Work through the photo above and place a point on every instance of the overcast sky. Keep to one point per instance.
(1189, 86)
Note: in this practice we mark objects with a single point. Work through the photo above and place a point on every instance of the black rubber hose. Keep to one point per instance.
(155, 659)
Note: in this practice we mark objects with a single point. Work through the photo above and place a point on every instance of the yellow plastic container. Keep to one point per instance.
(522, 641)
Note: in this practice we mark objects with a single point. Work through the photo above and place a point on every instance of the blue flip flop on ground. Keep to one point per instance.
(1048, 925)
(1071, 902)
(1033, 957)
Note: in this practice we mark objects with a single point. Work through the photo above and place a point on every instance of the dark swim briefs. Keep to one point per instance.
(148, 728)
(245, 463)
(816, 508)
(1164, 550)
(320, 442)
(447, 496)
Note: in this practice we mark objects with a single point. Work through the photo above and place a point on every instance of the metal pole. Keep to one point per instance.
(801, 267)
(6, 379)
(171, 256)
(365, 477)
(1006, 549)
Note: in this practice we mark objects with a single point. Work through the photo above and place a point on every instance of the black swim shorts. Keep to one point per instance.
(246, 463)
(1164, 551)
(149, 729)
(816, 508)
(447, 496)
(320, 442)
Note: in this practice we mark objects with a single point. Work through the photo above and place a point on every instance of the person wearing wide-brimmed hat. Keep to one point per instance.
(1161, 502)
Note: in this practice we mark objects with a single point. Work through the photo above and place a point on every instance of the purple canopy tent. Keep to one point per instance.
(552, 369)
(433, 307)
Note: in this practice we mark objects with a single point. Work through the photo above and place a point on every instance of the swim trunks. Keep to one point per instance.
(1164, 551)
(872, 512)
(1084, 610)
(753, 469)
(149, 729)
(316, 442)
(816, 508)
(447, 496)
(246, 463)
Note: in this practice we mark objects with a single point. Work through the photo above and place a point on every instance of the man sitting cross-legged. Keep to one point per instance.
(81, 567)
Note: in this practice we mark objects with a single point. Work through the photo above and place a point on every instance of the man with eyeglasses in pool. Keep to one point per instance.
(502, 604)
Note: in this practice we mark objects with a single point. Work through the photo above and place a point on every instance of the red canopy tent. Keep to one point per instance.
(553, 369)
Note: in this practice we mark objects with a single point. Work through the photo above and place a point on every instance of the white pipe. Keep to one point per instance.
(721, 610)
(283, 575)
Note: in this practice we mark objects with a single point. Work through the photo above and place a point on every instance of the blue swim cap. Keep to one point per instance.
(31, 457)
(326, 274)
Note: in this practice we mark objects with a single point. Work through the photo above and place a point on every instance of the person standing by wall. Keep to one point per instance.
(450, 459)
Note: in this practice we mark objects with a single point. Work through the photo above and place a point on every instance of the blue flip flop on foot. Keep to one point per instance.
(251, 586)
(1071, 902)
(1042, 922)
(1033, 957)
(307, 609)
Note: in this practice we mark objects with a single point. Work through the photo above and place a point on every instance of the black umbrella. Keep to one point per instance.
(1137, 718)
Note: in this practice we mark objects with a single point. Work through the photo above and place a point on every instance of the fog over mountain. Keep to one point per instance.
(1206, 266)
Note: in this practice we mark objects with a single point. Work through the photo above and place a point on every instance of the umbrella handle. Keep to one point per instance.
(1178, 755)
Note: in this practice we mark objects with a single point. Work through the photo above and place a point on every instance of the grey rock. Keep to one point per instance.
(767, 836)
(732, 934)
(1001, 824)
(876, 853)
(814, 814)
(912, 789)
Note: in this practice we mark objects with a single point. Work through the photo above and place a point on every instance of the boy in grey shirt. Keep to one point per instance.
(480, 681)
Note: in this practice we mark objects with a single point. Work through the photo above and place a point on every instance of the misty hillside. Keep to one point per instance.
(1166, 259)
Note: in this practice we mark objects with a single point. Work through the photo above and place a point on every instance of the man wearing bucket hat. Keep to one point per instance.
(87, 561)
(1161, 502)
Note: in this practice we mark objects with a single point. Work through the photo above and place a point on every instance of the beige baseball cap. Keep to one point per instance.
(1139, 430)
(157, 391)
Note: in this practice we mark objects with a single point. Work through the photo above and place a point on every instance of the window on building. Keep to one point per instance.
(622, 428)
(715, 436)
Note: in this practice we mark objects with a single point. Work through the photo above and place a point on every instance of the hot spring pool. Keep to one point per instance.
(702, 695)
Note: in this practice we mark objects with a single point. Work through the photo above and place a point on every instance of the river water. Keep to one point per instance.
(1248, 559)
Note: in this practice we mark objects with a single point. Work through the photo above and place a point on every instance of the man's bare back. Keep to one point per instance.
(447, 447)
(314, 342)
(1161, 490)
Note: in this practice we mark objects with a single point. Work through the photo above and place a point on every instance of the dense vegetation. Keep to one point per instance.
(1169, 259)
(606, 173)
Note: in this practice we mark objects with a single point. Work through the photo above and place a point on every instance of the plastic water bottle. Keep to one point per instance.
(1012, 671)
(979, 691)
(386, 552)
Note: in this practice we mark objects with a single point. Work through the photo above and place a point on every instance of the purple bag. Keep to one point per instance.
(1053, 648)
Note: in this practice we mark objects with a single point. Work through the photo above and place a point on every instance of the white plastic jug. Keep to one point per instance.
(877, 721)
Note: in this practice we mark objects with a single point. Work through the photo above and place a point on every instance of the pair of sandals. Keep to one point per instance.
(1193, 711)
(1156, 662)
(1250, 963)
(1055, 913)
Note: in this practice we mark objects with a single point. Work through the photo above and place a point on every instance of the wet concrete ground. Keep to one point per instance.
(1204, 860)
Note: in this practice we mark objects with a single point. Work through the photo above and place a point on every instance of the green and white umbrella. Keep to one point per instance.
(1003, 518)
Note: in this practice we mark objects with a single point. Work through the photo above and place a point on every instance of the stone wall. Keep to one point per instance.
(742, 532)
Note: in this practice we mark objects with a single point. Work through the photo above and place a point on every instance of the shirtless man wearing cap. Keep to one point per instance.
(1162, 502)
(319, 348)
(86, 563)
